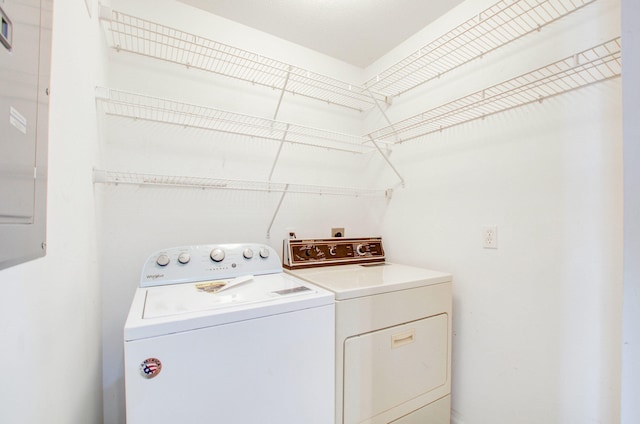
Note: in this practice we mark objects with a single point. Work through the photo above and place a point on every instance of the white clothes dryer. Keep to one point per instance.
(393, 330)
(219, 334)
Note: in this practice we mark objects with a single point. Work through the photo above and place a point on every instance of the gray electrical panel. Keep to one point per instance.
(25, 62)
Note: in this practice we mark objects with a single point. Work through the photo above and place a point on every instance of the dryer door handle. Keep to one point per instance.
(402, 339)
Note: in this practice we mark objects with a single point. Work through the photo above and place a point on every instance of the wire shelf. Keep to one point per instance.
(599, 63)
(500, 24)
(135, 35)
(138, 106)
(130, 178)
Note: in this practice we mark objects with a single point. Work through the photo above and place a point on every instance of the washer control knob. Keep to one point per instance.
(163, 260)
(332, 250)
(184, 258)
(217, 255)
(264, 253)
(361, 249)
(247, 253)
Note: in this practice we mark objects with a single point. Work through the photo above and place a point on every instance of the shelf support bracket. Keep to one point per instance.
(275, 160)
(384, 114)
(382, 153)
(386, 158)
(275, 214)
(284, 87)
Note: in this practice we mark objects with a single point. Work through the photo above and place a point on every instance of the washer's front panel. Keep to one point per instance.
(256, 347)
(276, 369)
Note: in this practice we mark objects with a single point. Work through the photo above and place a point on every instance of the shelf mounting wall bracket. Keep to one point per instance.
(275, 214)
(386, 158)
(104, 12)
(284, 88)
(275, 160)
(384, 114)
(384, 155)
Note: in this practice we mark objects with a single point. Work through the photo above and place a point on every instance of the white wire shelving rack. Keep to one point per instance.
(101, 176)
(496, 26)
(500, 24)
(140, 179)
(136, 35)
(156, 109)
(147, 108)
(599, 63)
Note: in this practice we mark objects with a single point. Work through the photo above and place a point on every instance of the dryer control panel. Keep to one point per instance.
(310, 253)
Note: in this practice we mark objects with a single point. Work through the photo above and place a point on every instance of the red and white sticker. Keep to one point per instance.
(150, 367)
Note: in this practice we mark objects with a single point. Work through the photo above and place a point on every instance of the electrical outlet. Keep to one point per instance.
(337, 232)
(490, 237)
(291, 232)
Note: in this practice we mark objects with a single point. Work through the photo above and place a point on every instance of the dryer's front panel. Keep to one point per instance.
(390, 372)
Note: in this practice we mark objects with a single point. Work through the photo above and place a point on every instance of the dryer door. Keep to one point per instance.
(393, 371)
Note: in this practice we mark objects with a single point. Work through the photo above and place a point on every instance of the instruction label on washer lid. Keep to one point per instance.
(292, 290)
(18, 120)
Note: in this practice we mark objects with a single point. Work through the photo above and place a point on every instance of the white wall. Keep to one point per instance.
(631, 317)
(50, 307)
(536, 323)
(537, 335)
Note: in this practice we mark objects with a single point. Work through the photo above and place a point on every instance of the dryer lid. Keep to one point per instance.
(350, 281)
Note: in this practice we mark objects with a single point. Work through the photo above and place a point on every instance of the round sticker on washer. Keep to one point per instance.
(151, 367)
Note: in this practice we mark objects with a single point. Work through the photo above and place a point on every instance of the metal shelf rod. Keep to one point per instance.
(275, 213)
(140, 179)
(275, 160)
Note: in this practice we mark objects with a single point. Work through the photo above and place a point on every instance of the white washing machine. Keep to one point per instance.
(219, 334)
(393, 330)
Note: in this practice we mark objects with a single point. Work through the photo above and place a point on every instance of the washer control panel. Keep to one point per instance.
(188, 264)
(333, 251)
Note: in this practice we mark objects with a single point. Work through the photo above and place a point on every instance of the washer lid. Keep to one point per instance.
(350, 281)
(188, 306)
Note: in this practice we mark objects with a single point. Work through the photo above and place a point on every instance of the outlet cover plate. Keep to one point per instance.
(337, 232)
(490, 237)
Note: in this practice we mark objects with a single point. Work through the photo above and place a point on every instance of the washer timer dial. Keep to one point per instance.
(217, 255)
(184, 258)
(163, 260)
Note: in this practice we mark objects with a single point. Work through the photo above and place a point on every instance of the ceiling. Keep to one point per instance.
(354, 31)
